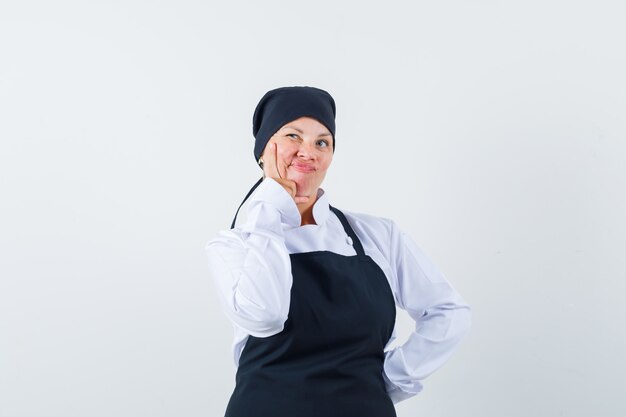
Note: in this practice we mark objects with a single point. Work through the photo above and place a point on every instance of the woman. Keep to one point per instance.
(312, 290)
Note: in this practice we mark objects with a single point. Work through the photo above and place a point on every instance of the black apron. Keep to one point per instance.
(328, 359)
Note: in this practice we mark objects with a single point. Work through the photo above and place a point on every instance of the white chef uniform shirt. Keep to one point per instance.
(251, 268)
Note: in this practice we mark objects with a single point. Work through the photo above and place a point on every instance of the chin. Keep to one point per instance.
(305, 184)
(305, 189)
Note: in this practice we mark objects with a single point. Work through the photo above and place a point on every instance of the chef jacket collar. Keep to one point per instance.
(320, 207)
(291, 214)
(321, 210)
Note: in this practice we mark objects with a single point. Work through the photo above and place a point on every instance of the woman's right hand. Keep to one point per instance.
(276, 170)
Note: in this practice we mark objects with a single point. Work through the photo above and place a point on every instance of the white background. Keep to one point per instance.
(493, 132)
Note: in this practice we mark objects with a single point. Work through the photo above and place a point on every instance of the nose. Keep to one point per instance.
(306, 150)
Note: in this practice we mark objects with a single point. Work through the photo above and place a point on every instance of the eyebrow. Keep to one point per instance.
(295, 128)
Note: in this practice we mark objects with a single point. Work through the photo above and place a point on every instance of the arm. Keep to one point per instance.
(442, 318)
(250, 264)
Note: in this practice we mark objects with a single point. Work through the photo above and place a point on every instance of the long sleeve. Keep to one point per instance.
(442, 318)
(250, 263)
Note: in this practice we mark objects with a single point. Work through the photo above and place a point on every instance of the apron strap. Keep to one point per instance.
(356, 243)
(244, 200)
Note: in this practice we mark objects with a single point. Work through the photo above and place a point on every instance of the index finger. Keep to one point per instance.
(270, 165)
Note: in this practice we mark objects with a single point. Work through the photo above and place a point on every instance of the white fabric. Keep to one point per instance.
(251, 268)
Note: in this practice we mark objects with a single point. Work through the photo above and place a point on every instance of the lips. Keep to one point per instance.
(303, 167)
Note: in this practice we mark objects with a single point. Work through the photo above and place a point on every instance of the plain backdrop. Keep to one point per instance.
(493, 132)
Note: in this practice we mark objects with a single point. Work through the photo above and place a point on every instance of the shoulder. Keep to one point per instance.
(375, 230)
(369, 222)
(387, 237)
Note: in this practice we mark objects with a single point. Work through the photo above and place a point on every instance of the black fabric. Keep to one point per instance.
(328, 360)
(282, 105)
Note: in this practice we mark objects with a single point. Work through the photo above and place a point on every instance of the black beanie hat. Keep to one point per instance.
(282, 105)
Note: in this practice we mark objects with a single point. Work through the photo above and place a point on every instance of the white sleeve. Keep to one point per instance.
(442, 318)
(250, 263)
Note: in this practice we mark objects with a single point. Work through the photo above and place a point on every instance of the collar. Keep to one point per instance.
(321, 207)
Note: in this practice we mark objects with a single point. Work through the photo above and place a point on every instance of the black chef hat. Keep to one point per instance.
(282, 105)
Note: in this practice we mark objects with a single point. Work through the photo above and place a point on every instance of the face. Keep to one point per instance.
(304, 151)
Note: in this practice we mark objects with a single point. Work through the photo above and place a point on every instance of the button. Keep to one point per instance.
(349, 240)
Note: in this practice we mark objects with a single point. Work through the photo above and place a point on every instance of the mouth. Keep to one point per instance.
(303, 167)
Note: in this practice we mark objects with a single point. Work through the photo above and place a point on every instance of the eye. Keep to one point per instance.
(324, 142)
(292, 135)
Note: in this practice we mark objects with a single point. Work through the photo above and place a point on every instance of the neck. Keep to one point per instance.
(306, 210)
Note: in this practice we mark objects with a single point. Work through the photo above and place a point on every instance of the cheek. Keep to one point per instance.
(287, 149)
(326, 163)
